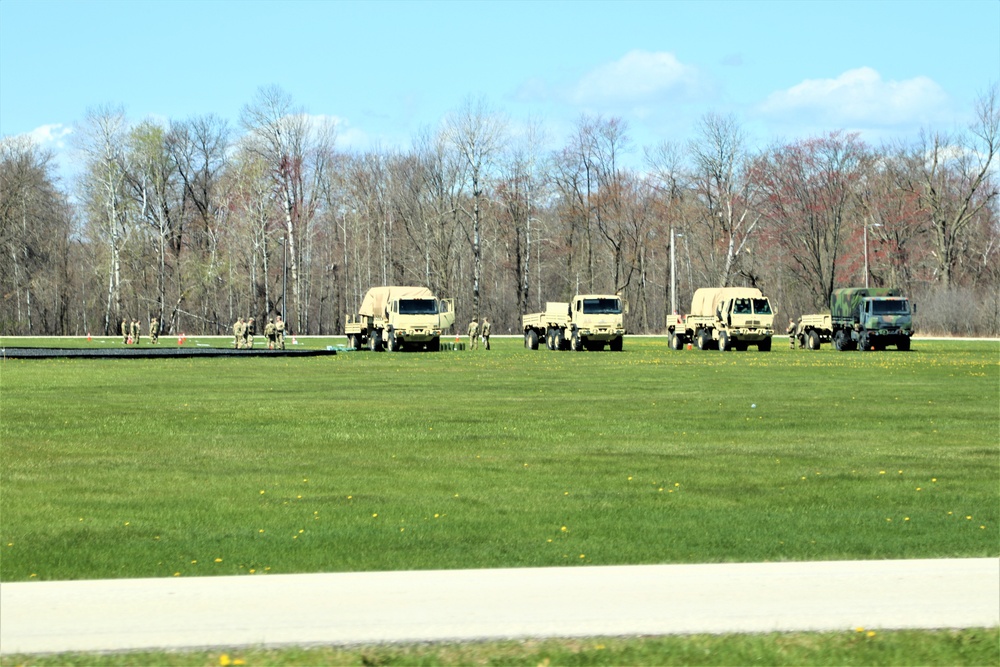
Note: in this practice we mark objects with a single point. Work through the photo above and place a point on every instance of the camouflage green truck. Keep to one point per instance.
(398, 318)
(862, 318)
(725, 318)
(589, 322)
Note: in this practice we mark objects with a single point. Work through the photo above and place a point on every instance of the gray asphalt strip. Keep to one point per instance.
(371, 607)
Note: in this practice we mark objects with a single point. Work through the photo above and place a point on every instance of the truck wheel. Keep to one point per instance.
(764, 345)
(723, 341)
(676, 342)
(549, 336)
(812, 340)
(390, 343)
(704, 339)
(903, 344)
(558, 342)
(375, 341)
(616, 344)
(575, 343)
(532, 339)
(863, 343)
(350, 341)
(840, 341)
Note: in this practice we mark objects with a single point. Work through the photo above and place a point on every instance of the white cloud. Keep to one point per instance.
(50, 136)
(638, 76)
(859, 97)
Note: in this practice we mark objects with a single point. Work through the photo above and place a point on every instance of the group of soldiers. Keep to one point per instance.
(131, 331)
(475, 331)
(274, 331)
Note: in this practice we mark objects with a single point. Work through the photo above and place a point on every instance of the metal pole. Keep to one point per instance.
(673, 276)
(284, 278)
(866, 253)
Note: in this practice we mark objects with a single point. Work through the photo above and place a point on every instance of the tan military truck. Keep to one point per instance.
(589, 322)
(399, 318)
(725, 318)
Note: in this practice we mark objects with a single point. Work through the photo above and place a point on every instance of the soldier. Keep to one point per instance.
(279, 332)
(248, 335)
(154, 331)
(791, 334)
(270, 332)
(473, 334)
(134, 331)
(486, 333)
(238, 330)
(125, 330)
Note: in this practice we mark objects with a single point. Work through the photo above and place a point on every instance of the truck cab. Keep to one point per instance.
(883, 321)
(596, 321)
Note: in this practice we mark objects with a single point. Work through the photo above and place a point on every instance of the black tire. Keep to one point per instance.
(864, 344)
(558, 342)
(550, 340)
(676, 341)
(375, 341)
(903, 344)
(704, 339)
(724, 345)
(391, 344)
(812, 340)
(764, 345)
(532, 339)
(351, 342)
(575, 343)
(841, 342)
(617, 344)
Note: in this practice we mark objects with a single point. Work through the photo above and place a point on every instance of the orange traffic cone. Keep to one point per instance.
(88, 336)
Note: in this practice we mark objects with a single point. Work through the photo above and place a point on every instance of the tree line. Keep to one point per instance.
(198, 222)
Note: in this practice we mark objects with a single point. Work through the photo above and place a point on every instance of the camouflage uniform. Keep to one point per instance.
(134, 331)
(271, 333)
(279, 331)
(791, 334)
(125, 331)
(154, 331)
(486, 333)
(238, 330)
(248, 334)
(473, 335)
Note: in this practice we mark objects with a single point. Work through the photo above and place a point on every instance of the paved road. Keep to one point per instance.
(274, 610)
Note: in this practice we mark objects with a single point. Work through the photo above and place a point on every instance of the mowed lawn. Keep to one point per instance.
(507, 458)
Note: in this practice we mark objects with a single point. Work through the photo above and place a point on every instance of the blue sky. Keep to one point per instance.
(387, 70)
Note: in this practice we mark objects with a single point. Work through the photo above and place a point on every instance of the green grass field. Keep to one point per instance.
(508, 458)
(190, 467)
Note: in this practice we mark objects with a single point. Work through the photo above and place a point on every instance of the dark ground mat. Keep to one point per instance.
(152, 353)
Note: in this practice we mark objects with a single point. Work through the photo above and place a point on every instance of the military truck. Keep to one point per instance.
(865, 318)
(725, 318)
(398, 318)
(589, 322)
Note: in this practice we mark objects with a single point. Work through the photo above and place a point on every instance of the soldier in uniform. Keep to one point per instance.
(154, 331)
(791, 334)
(270, 332)
(473, 334)
(486, 333)
(279, 331)
(248, 335)
(124, 330)
(134, 331)
(238, 330)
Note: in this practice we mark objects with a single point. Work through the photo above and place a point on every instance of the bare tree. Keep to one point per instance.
(476, 132)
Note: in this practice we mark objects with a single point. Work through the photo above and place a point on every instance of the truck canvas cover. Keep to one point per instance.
(844, 302)
(705, 299)
(376, 301)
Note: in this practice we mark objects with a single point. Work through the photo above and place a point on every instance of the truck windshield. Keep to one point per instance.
(890, 307)
(418, 307)
(602, 307)
(762, 307)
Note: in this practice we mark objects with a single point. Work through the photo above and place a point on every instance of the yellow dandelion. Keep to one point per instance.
(261, 530)
(859, 629)
(881, 472)
(262, 492)
(375, 515)
(583, 555)
(218, 560)
(194, 562)
(564, 529)
(177, 574)
(870, 633)
(224, 660)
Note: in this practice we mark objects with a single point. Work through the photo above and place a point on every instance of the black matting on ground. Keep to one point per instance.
(152, 353)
